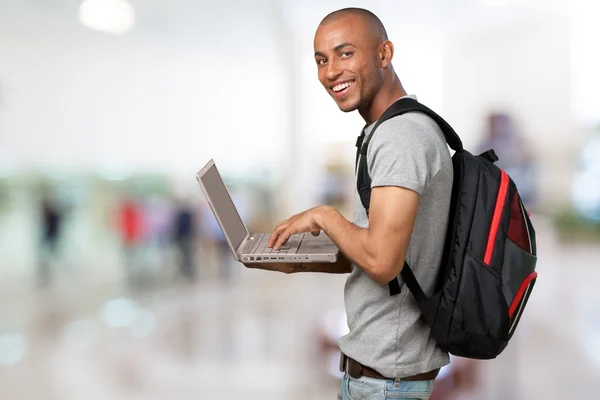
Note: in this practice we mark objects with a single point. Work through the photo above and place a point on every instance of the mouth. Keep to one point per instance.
(340, 89)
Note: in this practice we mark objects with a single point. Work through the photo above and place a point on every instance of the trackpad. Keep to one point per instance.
(322, 238)
(321, 244)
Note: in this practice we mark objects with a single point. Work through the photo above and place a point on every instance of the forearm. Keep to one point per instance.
(355, 242)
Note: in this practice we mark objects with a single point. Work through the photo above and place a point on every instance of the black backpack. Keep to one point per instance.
(488, 263)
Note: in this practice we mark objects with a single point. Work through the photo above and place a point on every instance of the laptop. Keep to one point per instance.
(252, 248)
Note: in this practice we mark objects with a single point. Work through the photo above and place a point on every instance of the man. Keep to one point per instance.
(389, 350)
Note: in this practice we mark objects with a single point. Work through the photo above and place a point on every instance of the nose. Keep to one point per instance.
(332, 70)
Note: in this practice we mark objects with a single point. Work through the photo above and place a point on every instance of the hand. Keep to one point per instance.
(303, 222)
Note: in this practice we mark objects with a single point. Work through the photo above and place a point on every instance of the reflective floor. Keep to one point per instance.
(245, 334)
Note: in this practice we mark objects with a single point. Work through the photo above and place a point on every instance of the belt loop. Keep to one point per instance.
(397, 382)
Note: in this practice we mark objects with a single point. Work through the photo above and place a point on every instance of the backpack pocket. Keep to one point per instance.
(481, 308)
(518, 279)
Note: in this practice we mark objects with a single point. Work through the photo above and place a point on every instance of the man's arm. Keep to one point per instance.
(341, 266)
(379, 250)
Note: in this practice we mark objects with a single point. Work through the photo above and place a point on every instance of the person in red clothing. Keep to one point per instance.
(131, 227)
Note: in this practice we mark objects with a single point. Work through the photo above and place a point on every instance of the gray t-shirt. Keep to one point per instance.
(387, 333)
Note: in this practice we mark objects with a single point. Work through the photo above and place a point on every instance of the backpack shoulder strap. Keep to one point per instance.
(412, 283)
(404, 105)
(361, 169)
(400, 107)
(408, 104)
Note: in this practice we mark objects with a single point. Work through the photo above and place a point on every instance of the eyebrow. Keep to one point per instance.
(336, 48)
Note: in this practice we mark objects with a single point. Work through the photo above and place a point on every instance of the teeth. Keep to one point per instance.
(342, 86)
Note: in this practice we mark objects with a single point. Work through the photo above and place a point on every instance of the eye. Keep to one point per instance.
(346, 54)
(321, 61)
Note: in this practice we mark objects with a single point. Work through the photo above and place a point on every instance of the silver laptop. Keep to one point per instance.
(252, 248)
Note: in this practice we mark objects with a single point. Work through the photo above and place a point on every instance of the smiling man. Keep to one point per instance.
(389, 350)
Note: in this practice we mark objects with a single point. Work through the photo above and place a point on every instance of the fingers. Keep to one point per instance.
(281, 234)
(274, 236)
(282, 226)
(295, 224)
(283, 237)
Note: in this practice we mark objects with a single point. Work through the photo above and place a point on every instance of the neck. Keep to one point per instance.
(390, 91)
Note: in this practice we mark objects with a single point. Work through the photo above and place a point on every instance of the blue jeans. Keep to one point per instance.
(379, 389)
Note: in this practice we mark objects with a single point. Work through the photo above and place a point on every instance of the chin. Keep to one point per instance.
(348, 107)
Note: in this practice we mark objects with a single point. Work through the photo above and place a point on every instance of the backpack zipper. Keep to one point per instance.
(497, 217)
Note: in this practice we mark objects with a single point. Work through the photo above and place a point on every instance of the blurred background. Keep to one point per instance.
(115, 281)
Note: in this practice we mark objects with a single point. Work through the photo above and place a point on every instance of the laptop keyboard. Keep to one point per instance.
(289, 247)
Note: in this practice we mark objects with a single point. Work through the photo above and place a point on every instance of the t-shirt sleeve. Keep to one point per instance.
(404, 153)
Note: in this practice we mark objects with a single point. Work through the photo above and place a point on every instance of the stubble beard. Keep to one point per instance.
(366, 93)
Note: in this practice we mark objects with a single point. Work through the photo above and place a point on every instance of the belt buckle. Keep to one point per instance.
(343, 360)
(355, 369)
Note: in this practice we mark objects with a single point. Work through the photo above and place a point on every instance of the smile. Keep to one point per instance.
(342, 86)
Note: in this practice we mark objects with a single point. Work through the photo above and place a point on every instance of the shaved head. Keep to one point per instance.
(372, 22)
(353, 55)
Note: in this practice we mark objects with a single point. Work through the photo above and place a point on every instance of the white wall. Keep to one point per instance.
(585, 61)
(165, 102)
(524, 69)
(236, 81)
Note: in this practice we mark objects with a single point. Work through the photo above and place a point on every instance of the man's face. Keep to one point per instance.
(347, 61)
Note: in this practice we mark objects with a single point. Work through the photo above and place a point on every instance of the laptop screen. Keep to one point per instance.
(223, 207)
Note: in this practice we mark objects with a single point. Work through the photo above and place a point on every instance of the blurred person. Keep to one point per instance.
(212, 233)
(388, 350)
(184, 236)
(158, 217)
(514, 157)
(51, 224)
(131, 229)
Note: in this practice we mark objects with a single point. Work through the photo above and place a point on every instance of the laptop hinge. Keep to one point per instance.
(242, 247)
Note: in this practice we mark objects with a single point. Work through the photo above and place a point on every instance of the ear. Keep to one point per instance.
(386, 53)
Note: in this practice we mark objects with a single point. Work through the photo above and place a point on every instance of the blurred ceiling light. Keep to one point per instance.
(495, 3)
(110, 16)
